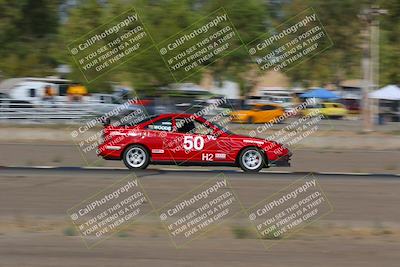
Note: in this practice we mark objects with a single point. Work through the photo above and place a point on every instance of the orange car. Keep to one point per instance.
(259, 113)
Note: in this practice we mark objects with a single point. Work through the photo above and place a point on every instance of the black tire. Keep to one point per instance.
(245, 166)
(130, 162)
(250, 120)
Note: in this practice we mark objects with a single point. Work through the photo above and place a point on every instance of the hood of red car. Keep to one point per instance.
(258, 140)
(247, 137)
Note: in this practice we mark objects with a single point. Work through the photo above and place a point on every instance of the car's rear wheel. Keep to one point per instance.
(251, 159)
(136, 157)
(250, 120)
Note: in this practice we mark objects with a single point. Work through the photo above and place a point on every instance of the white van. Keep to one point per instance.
(32, 92)
(32, 89)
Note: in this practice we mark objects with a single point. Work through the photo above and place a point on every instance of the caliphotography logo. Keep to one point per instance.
(200, 210)
(110, 210)
(289, 210)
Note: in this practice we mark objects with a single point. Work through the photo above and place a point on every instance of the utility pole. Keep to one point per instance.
(370, 63)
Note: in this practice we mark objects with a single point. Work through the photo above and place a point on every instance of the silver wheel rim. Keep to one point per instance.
(136, 157)
(252, 159)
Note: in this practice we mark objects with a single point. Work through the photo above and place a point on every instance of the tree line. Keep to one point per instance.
(34, 35)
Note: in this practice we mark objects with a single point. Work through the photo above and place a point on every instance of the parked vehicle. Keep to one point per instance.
(32, 89)
(327, 109)
(259, 113)
(352, 105)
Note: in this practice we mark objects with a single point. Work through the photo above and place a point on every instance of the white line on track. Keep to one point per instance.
(205, 170)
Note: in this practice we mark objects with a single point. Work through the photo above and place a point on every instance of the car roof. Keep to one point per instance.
(178, 115)
(156, 117)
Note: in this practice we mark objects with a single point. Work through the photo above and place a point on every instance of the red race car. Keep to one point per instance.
(186, 139)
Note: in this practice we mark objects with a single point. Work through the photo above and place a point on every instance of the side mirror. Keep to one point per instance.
(216, 133)
(106, 121)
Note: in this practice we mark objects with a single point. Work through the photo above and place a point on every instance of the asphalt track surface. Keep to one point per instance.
(304, 160)
(34, 196)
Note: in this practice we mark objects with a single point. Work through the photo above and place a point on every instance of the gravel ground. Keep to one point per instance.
(33, 218)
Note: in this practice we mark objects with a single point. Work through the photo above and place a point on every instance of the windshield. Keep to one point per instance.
(222, 128)
(283, 100)
(132, 118)
(246, 107)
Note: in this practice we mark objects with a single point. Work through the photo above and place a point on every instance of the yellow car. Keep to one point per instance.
(259, 113)
(328, 109)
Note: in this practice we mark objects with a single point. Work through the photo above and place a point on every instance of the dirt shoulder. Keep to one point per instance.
(326, 136)
(362, 230)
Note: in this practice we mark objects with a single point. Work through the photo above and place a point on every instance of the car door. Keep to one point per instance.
(192, 141)
(326, 109)
(154, 138)
(339, 109)
(268, 113)
(313, 110)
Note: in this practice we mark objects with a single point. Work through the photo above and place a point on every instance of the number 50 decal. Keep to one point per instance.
(196, 142)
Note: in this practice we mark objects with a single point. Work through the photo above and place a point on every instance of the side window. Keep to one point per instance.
(315, 105)
(201, 128)
(63, 89)
(115, 100)
(161, 125)
(184, 126)
(268, 107)
(32, 92)
(192, 127)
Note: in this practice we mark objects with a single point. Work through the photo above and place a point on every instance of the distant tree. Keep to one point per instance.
(343, 59)
(27, 30)
(390, 43)
(33, 38)
(80, 19)
(162, 19)
(250, 19)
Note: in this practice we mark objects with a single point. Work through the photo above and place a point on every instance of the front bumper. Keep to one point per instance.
(283, 161)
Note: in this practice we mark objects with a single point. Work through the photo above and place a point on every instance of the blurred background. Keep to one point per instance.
(354, 81)
(356, 147)
(360, 68)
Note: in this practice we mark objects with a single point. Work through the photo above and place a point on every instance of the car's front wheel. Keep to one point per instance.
(136, 157)
(251, 159)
